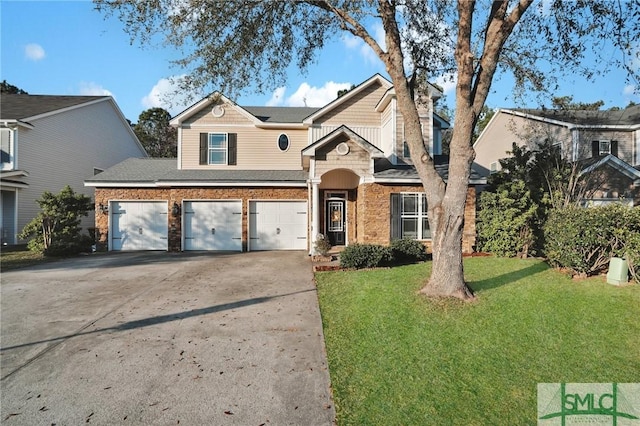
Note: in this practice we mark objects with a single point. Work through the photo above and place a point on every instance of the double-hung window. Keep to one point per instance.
(217, 148)
(409, 216)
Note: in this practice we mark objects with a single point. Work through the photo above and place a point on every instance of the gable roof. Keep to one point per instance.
(385, 172)
(28, 107)
(614, 162)
(376, 78)
(628, 117)
(343, 130)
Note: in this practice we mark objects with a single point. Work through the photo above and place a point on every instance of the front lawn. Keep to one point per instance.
(397, 358)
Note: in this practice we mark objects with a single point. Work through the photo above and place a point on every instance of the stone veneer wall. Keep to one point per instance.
(374, 215)
(177, 195)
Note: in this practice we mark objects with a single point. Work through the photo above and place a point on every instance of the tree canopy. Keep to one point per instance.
(234, 45)
(11, 89)
(158, 138)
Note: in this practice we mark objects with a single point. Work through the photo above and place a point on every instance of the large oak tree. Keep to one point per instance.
(233, 45)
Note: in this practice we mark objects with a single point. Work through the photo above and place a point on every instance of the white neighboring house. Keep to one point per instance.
(48, 142)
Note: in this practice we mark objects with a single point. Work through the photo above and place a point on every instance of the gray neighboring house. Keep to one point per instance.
(51, 141)
(603, 142)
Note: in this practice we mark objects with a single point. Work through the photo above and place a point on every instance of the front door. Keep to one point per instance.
(335, 222)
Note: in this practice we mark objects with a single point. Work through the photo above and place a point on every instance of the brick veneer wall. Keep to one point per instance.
(373, 207)
(177, 195)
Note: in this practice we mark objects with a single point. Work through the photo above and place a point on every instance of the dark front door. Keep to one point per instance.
(335, 222)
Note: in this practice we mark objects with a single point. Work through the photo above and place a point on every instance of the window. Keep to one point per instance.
(5, 142)
(405, 150)
(604, 147)
(493, 167)
(283, 142)
(218, 148)
(409, 216)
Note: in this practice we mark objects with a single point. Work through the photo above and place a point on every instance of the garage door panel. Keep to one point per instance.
(213, 225)
(278, 225)
(139, 225)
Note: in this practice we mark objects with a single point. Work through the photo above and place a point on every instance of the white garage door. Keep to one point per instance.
(139, 225)
(213, 225)
(277, 225)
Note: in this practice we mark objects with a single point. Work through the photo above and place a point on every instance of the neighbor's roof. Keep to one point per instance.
(624, 117)
(23, 107)
(163, 171)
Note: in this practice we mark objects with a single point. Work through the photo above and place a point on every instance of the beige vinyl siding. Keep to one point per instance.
(388, 136)
(370, 134)
(505, 129)
(357, 111)
(231, 116)
(357, 160)
(257, 148)
(625, 142)
(64, 149)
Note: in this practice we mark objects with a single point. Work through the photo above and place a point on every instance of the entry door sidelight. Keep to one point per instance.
(335, 222)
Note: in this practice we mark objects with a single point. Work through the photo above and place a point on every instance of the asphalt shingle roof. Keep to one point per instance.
(150, 170)
(624, 117)
(280, 114)
(20, 107)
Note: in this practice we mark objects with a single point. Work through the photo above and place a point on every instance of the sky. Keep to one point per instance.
(68, 48)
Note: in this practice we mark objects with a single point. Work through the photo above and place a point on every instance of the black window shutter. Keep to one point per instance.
(595, 148)
(614, 148)
(232, 148)
(395, 217)
(204, 148)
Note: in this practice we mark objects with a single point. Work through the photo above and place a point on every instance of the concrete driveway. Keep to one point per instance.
(161, 338)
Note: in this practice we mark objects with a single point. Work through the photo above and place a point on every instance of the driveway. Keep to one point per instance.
(162, 338)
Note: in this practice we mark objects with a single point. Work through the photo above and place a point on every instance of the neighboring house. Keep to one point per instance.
(605, 145)
(273, 178)
(52, 141)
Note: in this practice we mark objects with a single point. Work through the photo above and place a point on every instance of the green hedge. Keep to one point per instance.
(583, 240)
(403, 251)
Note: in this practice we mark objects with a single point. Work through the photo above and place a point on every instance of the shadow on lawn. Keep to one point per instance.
(508, 277)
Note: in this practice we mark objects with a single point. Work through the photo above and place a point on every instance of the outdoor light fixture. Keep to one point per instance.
(104, 208)
(175, 210)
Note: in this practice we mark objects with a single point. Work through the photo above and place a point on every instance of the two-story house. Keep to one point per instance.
(48, 142)
(274, 178)
(606, 143)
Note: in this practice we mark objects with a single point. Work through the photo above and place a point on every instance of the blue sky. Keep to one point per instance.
(68, 48)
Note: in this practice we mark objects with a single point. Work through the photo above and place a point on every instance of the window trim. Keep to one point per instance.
(288, 142)
(605, 151)
(225, 149)
(420, 215)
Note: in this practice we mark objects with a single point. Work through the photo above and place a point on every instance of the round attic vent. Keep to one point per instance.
(342, 148)
(218, 111)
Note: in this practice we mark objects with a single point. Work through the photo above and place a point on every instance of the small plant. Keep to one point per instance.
(408, 251)
(360, 256)
(322, 245)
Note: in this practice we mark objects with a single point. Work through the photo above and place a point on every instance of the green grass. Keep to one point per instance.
(397, 358)
(15, 259)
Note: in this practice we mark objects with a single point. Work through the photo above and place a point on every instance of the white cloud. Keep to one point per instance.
(447, 83)
(165, 94)
(307, 95)
(357, 44)
(89, 88)
(277, 98)
(34, 52)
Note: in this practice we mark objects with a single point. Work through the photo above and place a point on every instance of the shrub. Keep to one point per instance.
(584, 239)
(360, 256)
(322, 245)
(408, 251)
(506, 219)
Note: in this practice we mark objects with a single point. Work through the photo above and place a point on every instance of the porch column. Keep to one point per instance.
(315, 213)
